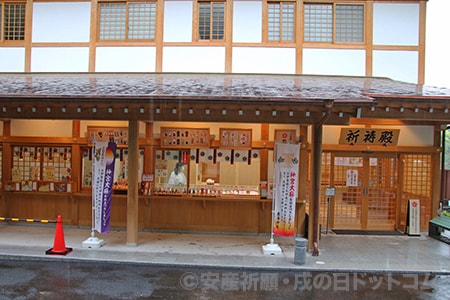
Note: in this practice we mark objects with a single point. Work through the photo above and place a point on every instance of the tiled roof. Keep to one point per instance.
(248, 87)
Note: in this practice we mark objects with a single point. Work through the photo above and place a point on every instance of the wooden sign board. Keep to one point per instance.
(235, 138)
(369, 136)
(184, 137)
(118, 134)
(285, 136)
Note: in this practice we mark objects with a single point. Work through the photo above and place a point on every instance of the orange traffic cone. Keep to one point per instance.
(59, 245)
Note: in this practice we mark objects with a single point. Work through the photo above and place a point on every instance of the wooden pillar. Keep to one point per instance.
(264, 219)
(6, 152)
(315, 182)
(6, 167)
(303, 179)
(76, 172)
(149, 149)
(133, 189)
(264, 153)
(76, 156)
(438, 169)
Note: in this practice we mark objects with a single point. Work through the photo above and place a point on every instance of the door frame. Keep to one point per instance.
(365, 178)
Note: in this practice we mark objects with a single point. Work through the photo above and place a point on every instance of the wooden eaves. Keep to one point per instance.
(242, 98)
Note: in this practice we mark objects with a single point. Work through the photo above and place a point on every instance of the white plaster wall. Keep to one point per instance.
(414, 135)
(178, 21)
(263, 60)
(61, 22)
(125, 59)
(12, 59)
(47, 128)
(60, 59)
(194, 59)
(247, 22)
(396, 24)
(330, 134)
(397, 65)
(334, 62)
(437, 67)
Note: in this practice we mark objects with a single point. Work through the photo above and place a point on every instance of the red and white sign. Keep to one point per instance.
(413, 222)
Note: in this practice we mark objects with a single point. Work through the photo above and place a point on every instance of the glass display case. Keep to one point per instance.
(41, 168)
(170, 172)
(207, 172)
(120, 169)
(221, 190)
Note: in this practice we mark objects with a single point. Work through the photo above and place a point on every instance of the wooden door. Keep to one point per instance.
(366, 188)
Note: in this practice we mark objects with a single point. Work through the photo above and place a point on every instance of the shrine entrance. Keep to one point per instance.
(366, 189)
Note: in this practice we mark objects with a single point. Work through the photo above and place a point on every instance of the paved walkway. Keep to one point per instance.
(345, 253)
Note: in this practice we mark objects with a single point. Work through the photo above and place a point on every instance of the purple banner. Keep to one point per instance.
(104, 156)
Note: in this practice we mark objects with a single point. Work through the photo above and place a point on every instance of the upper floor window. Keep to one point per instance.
(281, 21)
(12, 16)
(127, 21)
(329, 23)
(211, 20)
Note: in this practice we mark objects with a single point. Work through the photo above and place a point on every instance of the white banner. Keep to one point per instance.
(103, 160)
(285, 188)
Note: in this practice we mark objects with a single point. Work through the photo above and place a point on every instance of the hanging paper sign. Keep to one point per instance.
(241, 156)
(172, 155)
(223, 155)
(206, 155)
(352, 178)
(285, 189)
(104, 156)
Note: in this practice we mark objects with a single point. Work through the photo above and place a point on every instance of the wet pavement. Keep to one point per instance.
(337, 253)
(69, 279)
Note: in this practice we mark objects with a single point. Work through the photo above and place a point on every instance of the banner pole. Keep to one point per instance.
(271, 248)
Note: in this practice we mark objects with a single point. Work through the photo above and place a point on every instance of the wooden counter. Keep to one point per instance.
(40, 205)
(223, 214)
(248, 214)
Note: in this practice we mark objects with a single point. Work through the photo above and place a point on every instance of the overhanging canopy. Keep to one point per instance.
(256, 98)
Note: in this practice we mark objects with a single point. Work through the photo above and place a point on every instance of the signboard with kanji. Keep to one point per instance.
(285, 135)
(369, 136)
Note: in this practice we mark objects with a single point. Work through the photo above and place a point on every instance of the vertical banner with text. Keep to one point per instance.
(103, 160)
(285, 188)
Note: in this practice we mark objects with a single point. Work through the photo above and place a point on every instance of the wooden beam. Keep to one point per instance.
(93, 36)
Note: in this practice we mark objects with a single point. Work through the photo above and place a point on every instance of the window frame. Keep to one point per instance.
(334, 24)
(266, 22)
(126, 30)
(196, 24)
(21, 23)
